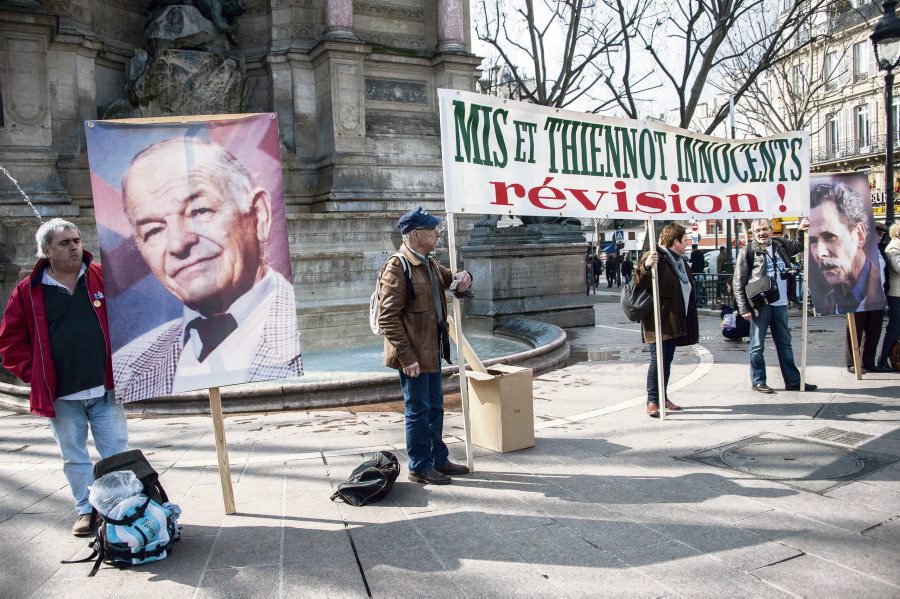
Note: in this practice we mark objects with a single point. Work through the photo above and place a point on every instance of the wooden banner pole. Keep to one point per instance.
(804, 291)
(854, 345)
(657, 318)
(461, 351)
(215, 409)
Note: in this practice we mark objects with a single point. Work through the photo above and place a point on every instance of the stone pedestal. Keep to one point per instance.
(540, 281)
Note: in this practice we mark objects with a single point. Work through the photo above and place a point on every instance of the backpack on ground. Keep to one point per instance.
(375, 299)
(137, 523)
(636, 303)
(369, 482)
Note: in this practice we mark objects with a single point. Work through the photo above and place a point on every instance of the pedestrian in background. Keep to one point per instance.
(892, 333)
(612, 269)
(679, 325)
(627, 268)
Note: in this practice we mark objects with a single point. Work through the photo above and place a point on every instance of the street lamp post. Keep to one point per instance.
(886, 41)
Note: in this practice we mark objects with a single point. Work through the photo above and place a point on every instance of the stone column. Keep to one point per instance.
(450, 26)
(339, 20)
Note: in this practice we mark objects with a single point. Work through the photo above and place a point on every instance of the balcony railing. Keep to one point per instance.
(854, 149)
(853, 17)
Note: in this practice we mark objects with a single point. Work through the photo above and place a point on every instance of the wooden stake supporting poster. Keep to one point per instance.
(196, 260)
(854, 346)
(461, 347)
(215, 410)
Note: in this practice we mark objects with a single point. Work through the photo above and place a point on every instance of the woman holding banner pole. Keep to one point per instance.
(679, 325)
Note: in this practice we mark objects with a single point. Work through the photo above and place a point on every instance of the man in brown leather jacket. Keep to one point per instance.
(414, 320)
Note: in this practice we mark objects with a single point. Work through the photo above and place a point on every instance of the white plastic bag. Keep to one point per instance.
(111, 489)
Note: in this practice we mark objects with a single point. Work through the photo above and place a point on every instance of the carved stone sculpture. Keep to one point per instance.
(187, 65)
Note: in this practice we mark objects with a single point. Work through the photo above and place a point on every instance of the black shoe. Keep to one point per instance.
(763, 388)
(429, 477)
(881, 368)
(451, 469)
(852, 370)
(807, 387)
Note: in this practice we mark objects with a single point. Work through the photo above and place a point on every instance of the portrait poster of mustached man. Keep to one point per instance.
(845, 272)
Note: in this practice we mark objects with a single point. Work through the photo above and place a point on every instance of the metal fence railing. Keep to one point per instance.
(712, 291)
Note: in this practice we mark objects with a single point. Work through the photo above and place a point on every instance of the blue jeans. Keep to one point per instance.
(423, 400)
(668, 347)
(777, 318)
(106, 419)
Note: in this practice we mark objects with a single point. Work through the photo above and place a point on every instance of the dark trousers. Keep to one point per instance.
(892, 332)
(868, 331)
(668, 347)
(423, 407)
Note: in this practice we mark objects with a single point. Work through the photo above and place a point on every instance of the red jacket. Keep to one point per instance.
(25, 339)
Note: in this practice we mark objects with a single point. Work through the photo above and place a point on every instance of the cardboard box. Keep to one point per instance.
(501, 408)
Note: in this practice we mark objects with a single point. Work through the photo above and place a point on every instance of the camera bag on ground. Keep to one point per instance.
(636, 303)
(370, 481)
(138, 525)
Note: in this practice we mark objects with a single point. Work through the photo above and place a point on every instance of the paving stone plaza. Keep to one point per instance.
(604, 505)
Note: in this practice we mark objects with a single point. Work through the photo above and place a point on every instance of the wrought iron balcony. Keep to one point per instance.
(853, 17)
(853, 149)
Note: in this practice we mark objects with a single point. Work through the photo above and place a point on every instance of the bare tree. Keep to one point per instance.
(555, 50)
(702, 42)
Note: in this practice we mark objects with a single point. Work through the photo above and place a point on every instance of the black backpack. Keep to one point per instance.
(103, 550)
(370, 481)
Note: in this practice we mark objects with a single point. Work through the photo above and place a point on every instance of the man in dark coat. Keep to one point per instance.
(679, 325)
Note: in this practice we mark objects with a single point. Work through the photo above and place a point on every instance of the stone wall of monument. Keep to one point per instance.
(353, 83)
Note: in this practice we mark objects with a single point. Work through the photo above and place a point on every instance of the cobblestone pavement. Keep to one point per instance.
(601, 506)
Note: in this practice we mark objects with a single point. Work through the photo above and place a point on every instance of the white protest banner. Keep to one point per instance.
(507, 157)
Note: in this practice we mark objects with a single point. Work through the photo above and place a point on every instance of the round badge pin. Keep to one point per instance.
(96, 303)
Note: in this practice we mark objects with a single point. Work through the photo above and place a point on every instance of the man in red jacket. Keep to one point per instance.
(54, 335)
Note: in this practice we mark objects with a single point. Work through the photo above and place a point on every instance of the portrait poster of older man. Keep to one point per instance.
(193, 239)
(845, 272)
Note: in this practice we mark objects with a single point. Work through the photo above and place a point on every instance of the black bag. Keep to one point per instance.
(636, 303)
(762, 291)
(370, 481)
(135, 461)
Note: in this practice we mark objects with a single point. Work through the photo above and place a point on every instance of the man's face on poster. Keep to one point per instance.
(835, 246)
(193, 234)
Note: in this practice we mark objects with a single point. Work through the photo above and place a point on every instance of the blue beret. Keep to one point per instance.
(417, 219)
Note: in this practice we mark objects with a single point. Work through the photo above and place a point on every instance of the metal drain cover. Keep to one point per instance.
(799, 463)
(792, 460)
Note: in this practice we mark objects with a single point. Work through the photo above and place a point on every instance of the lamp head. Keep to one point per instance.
(886, 37)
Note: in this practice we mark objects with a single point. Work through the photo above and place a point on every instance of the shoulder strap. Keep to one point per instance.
(129, 520)
(407, 274)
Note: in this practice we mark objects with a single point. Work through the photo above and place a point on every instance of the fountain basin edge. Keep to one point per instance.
(550, 350)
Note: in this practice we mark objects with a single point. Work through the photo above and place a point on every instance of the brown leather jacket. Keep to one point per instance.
(411, 327)
(675, 323)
